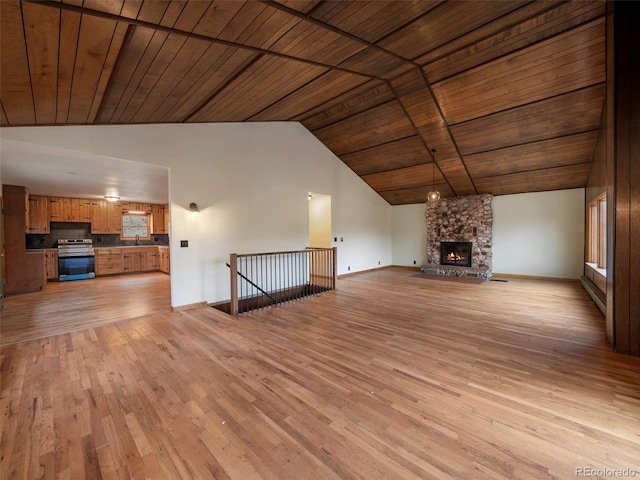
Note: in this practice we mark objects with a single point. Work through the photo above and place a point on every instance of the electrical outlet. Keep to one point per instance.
(335, 239)
(378, 262)
(341, 239)
(348, 268)
(184, 243)
(414, 262)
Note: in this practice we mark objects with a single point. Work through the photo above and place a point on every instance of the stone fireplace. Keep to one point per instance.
(459, 236)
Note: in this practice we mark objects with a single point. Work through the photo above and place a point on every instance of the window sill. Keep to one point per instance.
(594, 267)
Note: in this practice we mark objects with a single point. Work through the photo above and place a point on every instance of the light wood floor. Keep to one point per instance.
(391, 376)
(67, 306)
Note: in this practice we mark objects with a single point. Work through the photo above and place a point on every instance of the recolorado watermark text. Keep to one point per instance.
(591, 472)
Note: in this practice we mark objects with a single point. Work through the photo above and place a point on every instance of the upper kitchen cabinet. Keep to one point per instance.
(106, 217)
(98, 216)
(60, 209)
(135, 207)
(160, 220)
(38, 214)
(63, 209)
(80, 210)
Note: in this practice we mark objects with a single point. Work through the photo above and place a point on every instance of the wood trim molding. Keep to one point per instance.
(189, 306)
(498, 276)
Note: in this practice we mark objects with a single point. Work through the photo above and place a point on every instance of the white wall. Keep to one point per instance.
(547, 226)
(251, 182)
(539, 234)
(409, 234)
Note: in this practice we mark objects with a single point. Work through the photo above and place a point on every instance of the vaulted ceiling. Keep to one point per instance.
(508, 93)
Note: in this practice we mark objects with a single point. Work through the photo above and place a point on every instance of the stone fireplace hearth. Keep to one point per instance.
(460, 219)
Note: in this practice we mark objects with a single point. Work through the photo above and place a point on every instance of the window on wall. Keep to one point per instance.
(136, 225)
(598, 232)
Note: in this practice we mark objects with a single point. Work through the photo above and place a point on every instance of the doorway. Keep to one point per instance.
(319, 220)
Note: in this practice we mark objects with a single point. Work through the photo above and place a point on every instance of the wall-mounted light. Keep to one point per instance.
(193, 206)
(111, 198)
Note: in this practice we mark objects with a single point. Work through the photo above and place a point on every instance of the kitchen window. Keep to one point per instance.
(136, 225)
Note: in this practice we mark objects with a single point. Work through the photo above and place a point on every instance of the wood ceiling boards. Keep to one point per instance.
(508, 93)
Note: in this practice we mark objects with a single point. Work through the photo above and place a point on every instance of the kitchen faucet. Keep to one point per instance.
(137, 239)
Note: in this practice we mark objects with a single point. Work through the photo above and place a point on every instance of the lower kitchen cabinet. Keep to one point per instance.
(115, 260)
(108, 261)
(51, 263)
(163, 253)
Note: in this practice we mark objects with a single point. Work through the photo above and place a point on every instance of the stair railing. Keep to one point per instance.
(259, 280)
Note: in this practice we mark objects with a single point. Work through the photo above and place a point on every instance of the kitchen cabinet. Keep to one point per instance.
(108, 261)
(135, 207)
(80, 210)
(51, 263)
(60, 209)
(23, 271)
(98, 212)
(163, 253)
(143, 259)
(38, 214)
(160, 219)
(63, 209)
(112, 260)
(106, 217)
(114, 217)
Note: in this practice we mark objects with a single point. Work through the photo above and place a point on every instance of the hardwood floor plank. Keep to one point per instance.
(68, 306)
(392, 375)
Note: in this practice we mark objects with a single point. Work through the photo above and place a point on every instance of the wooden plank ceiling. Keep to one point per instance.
(508, 93)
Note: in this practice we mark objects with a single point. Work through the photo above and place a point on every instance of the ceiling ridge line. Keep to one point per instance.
(106, 57)
(136, 87)
(482, 152)
(295, 90)
(336, 30)
(546, 99)
(116, 66)
(161, 75)
(197, 36)
(517, 50)
(218, 91)
(448, 128)
(122, 105)
(330, 124)
(304, 115)
(172, 109)
(176, 19)
(26, 52)
(413, 125)
(380, 145)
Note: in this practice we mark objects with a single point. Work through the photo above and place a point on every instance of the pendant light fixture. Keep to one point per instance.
(433, 195)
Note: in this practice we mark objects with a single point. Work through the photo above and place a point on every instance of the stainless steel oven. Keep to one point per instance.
(76, 259)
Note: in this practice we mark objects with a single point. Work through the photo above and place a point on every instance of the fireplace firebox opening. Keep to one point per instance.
(456, 253)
